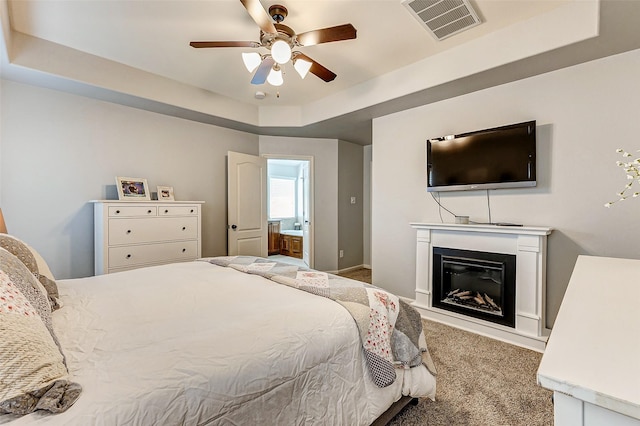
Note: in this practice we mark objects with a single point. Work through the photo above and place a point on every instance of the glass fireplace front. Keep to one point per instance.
(478, 284)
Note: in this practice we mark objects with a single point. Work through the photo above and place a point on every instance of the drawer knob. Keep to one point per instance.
(128, 256)
(128, 231)
(166, 211)
(117, 211)
(183, 250)
(191, 210)
(184, 228)
(149, 211)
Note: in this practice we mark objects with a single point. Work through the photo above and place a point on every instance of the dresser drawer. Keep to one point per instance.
(122, 257)
(177, 210)
(136, 231)
(132, 211)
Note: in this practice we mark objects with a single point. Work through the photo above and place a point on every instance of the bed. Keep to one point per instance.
(208, 343)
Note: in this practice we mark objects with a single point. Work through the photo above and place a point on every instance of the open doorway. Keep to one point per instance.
(290, 209)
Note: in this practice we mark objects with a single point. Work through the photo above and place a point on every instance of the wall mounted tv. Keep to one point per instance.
(502, 157)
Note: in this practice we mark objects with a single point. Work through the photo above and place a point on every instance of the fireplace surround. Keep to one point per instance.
(515, 253)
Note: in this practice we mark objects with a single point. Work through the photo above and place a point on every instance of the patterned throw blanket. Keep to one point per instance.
(390, 329)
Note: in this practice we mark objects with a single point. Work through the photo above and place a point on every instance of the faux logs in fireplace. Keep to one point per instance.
(478, 284)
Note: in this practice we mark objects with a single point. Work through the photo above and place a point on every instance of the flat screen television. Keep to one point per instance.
(502, 157)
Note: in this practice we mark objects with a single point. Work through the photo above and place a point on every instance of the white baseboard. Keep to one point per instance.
(408, 300)
(349, 269)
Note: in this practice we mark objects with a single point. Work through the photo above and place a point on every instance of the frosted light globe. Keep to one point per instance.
(275, 77)
(281, 52)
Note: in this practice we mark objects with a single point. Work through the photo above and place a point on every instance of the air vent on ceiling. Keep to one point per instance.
(443, 18)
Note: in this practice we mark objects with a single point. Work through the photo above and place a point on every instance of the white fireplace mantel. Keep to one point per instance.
(527, 243)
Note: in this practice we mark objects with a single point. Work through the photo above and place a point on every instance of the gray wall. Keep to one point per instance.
(350, 216)
(59, 151)
(583, 114)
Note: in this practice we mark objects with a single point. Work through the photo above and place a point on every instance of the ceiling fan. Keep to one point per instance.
(281, 41)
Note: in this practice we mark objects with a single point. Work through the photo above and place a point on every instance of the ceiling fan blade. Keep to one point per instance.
(326, 35)
(317, 69)
(263, 71)
(199, 44)
(258, 14)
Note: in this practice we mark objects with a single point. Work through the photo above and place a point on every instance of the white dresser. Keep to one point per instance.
(133, 234)
(592, 360)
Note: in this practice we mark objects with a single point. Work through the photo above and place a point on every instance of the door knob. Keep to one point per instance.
(234, 227)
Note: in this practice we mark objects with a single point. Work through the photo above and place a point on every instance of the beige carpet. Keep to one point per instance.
(360, 274)
(481, 381)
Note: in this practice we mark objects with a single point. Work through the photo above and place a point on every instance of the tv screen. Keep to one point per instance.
(502, 157)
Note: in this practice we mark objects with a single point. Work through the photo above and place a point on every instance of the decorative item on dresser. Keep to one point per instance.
(133, 234)
(165, 193)
(132, 188)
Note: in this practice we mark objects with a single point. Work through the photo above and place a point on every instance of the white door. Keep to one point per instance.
(246, 205)
(307, 235)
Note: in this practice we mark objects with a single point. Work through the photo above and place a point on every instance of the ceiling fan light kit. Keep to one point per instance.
(302, 67)
(275, 76)
(281, 41)
(281, 52)
(251, 60)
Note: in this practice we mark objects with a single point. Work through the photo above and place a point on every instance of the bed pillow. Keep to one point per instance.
(33, 375)
(20, 250)
(52, 291)
(46, 278)
(35, 263)
(43, 267)
(26, 282)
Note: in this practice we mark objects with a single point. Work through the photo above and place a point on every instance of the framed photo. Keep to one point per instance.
(132, 188)
(165, 193)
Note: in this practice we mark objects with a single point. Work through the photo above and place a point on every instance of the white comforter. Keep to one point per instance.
(194, 343)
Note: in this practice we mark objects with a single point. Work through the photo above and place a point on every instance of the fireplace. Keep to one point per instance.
(520, 317)
(474, 283)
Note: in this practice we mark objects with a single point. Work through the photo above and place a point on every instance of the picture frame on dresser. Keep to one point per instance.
(165, 193)
(130, 188)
